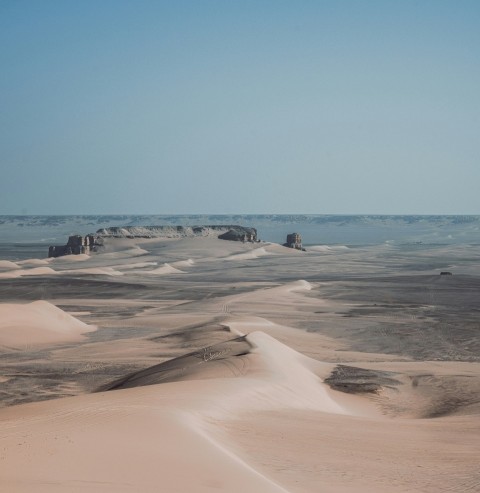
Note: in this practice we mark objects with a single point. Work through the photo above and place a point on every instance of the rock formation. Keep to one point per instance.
(76, 245)
(239, 233)
(294, 240)
(177, 232)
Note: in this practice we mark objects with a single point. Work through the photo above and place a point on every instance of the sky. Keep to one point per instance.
(210, 107)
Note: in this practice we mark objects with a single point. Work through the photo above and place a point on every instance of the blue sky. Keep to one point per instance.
(239, 107)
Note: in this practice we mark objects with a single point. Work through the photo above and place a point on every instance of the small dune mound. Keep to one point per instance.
(183, 263)
(300, 285)
(327, 248)
(36, 271)
(72, 258)
(7, 265)
(35, 261)
(95, 271)
(251, 255)
(164, 270)
(38, 323)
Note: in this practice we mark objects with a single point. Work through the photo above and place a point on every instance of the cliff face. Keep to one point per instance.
(238, 232)
(294, 240)
(78, 244)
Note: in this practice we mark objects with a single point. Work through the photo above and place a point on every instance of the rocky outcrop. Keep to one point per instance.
(76, 245)
(238, 232)
(294, 240)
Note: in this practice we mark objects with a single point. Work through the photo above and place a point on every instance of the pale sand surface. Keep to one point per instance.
(38, 323)
(241, 368)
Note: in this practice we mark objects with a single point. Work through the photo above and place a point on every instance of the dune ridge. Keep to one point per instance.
(35, 271)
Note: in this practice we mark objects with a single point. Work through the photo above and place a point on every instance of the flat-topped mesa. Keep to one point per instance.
(78, 244)
(223, 232)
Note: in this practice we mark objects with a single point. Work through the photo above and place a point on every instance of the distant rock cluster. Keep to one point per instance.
(78, 244)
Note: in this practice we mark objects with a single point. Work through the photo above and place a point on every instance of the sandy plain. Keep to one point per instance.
(202, 365)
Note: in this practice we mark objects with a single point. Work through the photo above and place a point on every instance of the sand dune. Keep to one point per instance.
(327, 248)
(135, 265)
(49, 271)
(36, 271)
(163, 270)
(122, 249)
(38, 323)
(35, 261)
(99, 271)
(251, 255)
(8, 265)
(183, 263)
(71, 258)
(267, 375)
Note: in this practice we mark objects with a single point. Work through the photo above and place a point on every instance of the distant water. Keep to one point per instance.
(29, 236)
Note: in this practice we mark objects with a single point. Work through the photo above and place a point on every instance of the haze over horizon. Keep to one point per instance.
(210, 107)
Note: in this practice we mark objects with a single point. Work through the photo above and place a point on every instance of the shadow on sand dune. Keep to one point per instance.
(223, 360)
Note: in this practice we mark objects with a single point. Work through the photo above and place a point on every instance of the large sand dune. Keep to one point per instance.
(258, 369)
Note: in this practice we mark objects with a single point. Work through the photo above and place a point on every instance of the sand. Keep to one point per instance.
(38, 324)
(205, 365)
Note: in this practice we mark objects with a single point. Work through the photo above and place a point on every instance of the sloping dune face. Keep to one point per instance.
(38, 323)
(217, 361)
(266, 375)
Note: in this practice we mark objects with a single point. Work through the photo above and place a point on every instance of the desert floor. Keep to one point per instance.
(204, 365)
